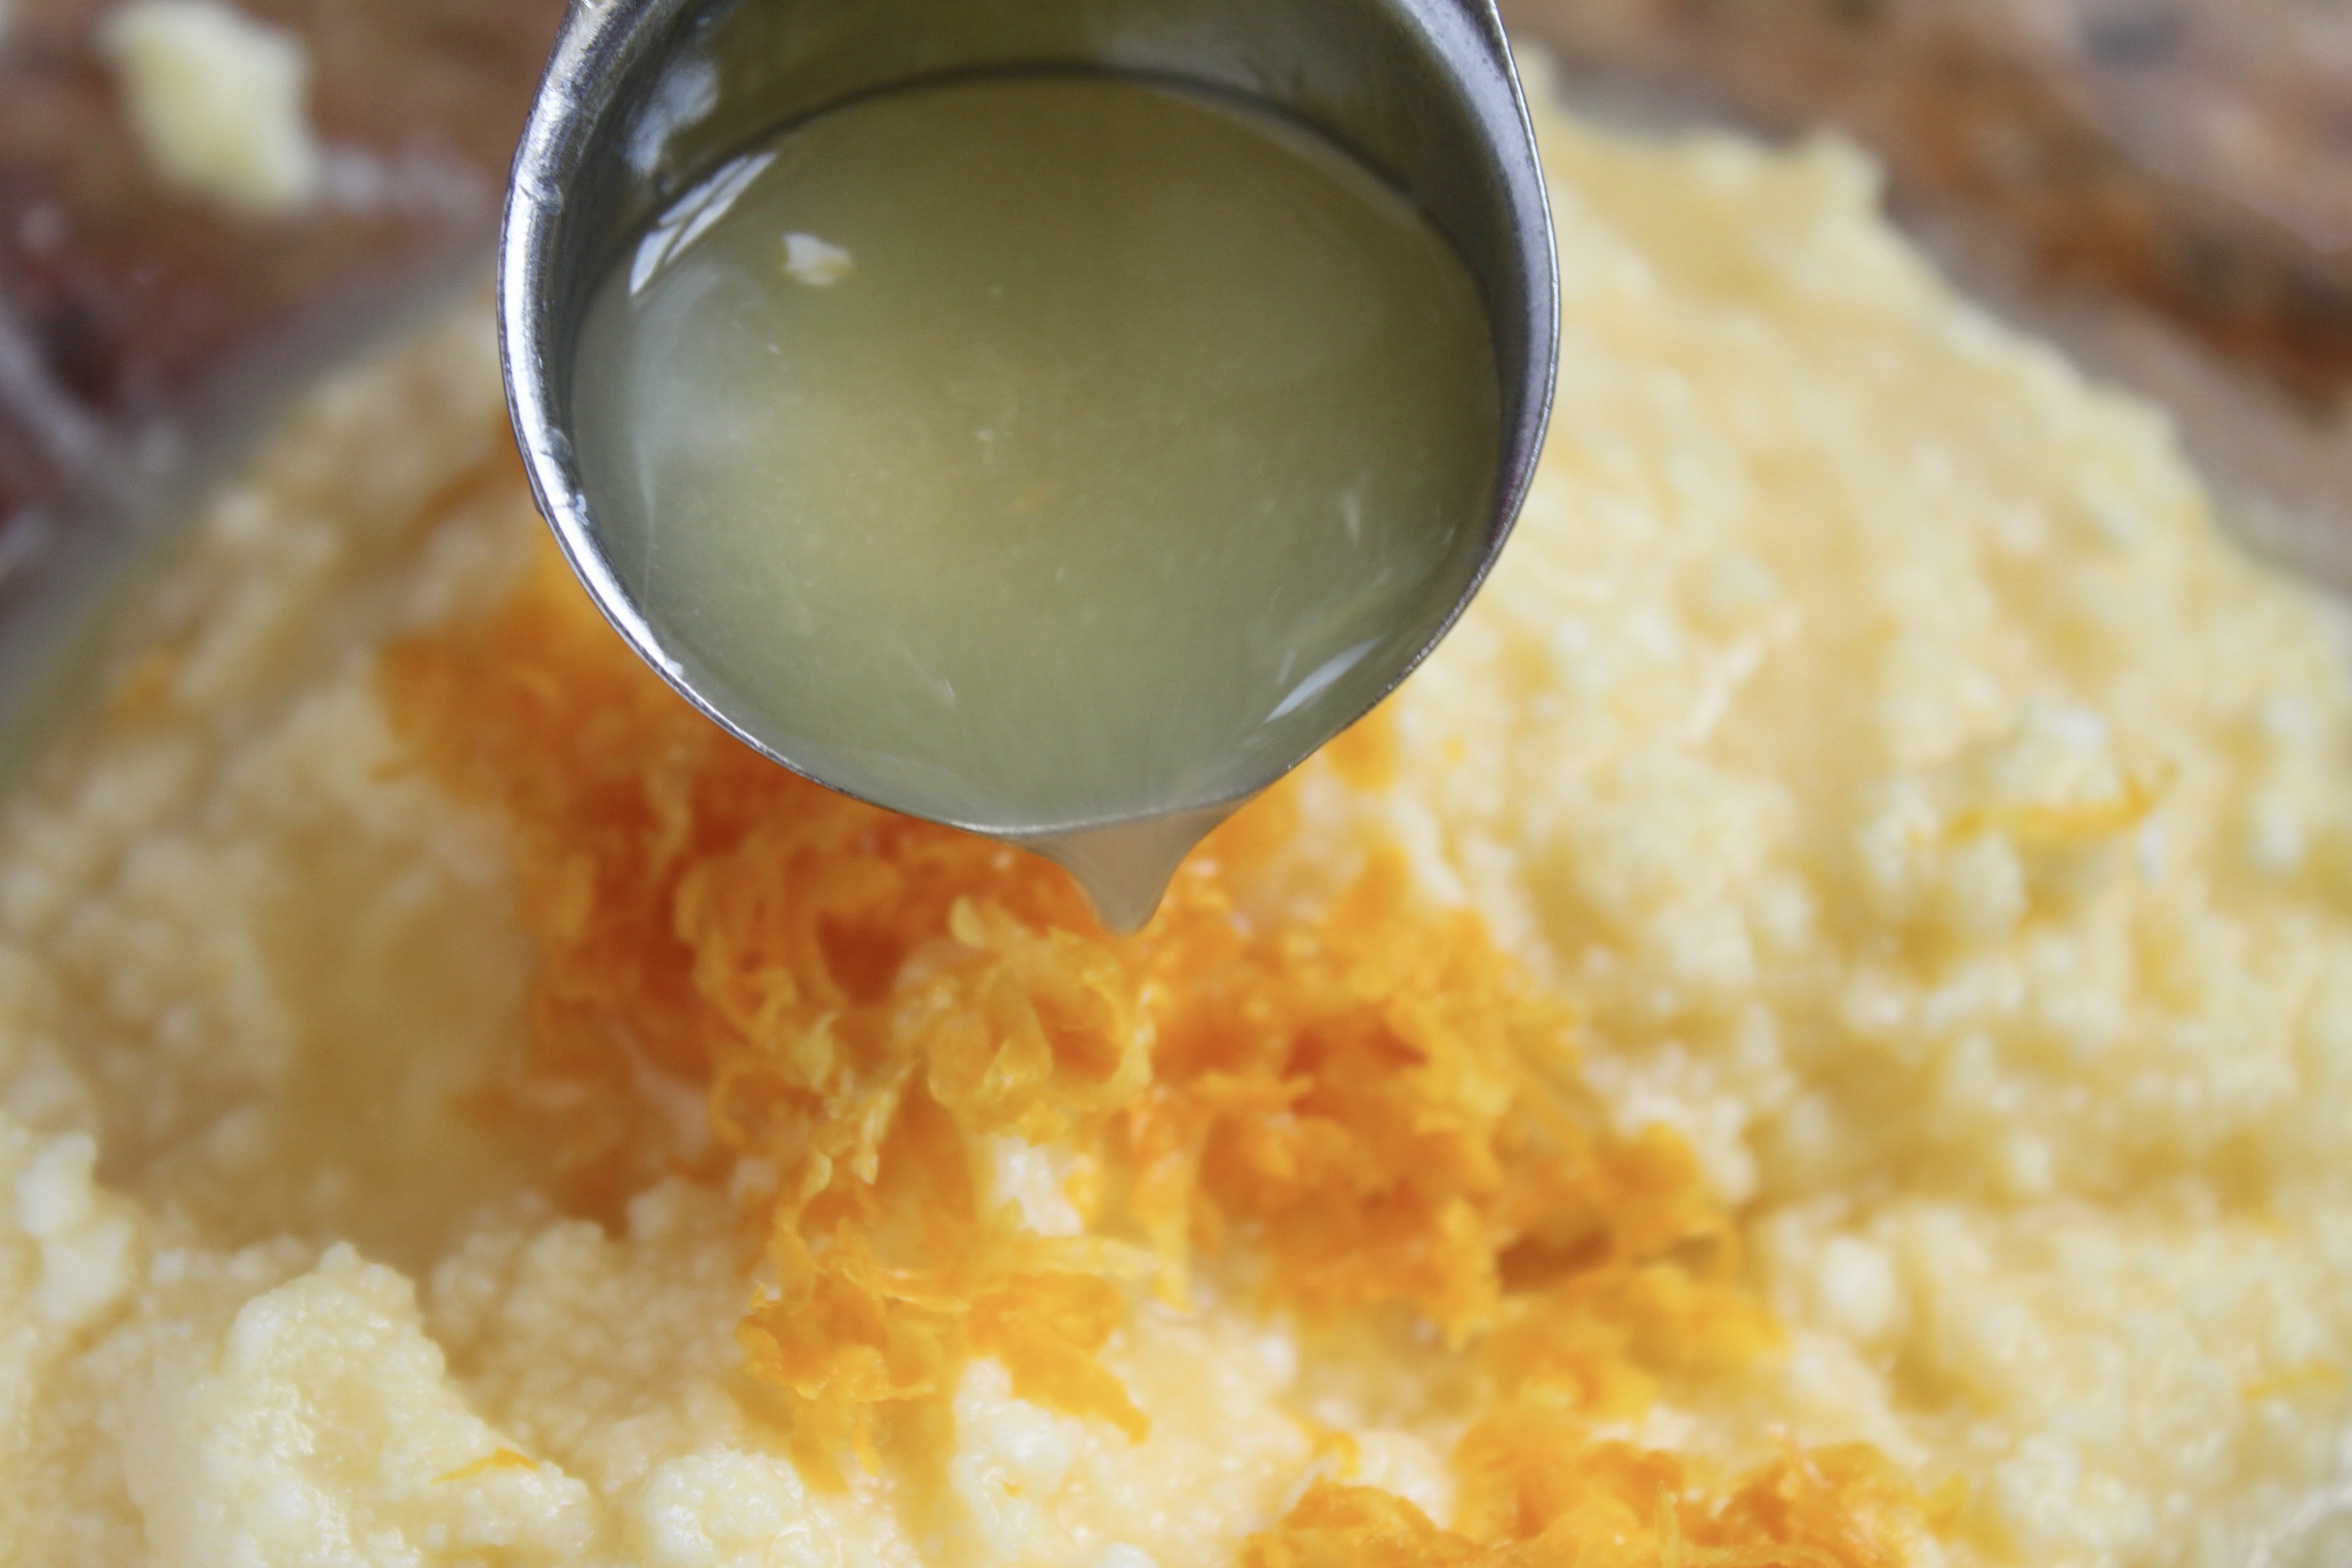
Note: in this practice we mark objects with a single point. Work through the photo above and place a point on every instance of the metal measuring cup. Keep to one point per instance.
(644, 98)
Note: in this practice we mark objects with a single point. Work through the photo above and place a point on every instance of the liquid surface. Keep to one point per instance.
(1043, 452)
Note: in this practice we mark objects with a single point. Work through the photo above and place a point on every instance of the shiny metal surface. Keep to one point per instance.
(642, 97)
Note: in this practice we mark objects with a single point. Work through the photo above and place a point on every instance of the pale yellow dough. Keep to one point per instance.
(1940, 821)
(219, 102)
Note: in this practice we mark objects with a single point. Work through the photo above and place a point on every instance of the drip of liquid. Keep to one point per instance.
(1058, 456)
(1125, 867)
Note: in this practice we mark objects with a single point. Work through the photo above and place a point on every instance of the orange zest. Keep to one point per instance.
(489, 1464)
(1539, 1494)
(1367, 1105)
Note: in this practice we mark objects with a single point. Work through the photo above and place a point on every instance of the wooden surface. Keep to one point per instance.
(119, 302)
(2193, 157)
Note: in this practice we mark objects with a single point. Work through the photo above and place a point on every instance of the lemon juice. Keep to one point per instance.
(1061, 456)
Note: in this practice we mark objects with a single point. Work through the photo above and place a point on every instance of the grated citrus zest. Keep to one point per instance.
(1538, 1492)
(1369, 1107)
(489, 1464)
(2069, 822)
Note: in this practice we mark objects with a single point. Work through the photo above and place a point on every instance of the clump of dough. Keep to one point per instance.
(219, 102)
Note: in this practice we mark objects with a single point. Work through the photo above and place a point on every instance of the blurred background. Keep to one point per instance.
(2165, 186)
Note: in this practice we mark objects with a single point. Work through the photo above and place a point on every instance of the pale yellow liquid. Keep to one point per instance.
(1044, 452)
